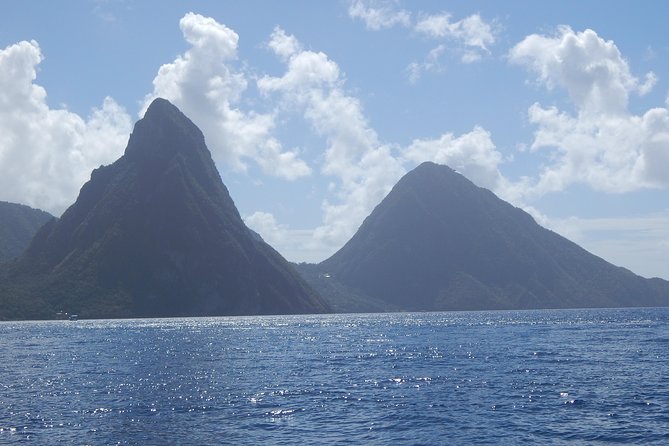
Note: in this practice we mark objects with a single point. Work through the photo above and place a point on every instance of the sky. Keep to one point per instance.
(314, 109)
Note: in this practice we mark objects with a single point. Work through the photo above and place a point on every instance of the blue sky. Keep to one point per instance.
(313, 110)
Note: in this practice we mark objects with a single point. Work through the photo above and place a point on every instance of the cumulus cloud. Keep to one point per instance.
(379, 14)
(282, 44)
(363, 168)
(204, 84)
(47, 154)
(649, 83)
(602, 144)
(297, 245)
(591, 69)
(266, 225)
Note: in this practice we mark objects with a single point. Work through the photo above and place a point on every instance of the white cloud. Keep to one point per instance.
(471, 31)
(431, 63)
(47, 154)
(649, 83)
(266, 225)
(608, 153)
(415, 71)
(204, 85)
(469, 38)
(282, 44)
(602, 145)
(365, 169)
(592, 70)
(469, 56)
(379, 14)
(308, 72)
(296, 245)
(472, 35)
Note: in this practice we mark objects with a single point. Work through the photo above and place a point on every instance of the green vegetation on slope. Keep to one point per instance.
(18, 225)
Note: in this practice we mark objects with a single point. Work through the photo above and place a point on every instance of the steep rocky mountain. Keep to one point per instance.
(153, 234)
(18, 225)
(438, 242)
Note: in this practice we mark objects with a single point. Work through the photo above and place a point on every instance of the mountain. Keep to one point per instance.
(438, 242)
(342, 298)
(154, 234)
(18, 225)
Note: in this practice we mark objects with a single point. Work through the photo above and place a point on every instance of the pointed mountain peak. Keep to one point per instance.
(439, 242)
(428, 169)
(161, 106)
(429, 165)
(164, 129)
(162, 111)
(155, 233)
(430, 183)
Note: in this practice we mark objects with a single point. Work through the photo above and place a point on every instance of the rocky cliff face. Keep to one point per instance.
(438, 242)
(156, 234)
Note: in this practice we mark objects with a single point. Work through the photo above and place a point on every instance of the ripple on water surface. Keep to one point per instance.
(457, 378)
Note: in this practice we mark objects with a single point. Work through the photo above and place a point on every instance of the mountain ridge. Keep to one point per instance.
(438, 242)
(18, 225)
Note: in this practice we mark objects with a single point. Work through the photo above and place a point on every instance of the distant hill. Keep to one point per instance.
(340, 297)
(153, 234)
(438, 242)
(18, 225)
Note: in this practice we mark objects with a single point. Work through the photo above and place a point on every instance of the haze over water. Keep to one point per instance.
(534, 377)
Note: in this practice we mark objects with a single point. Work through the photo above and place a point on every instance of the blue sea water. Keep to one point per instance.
(530, 377)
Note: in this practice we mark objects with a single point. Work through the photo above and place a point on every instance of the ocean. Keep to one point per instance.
(504, 377)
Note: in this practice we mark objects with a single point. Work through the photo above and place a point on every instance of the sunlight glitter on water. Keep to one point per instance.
(584, 376)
